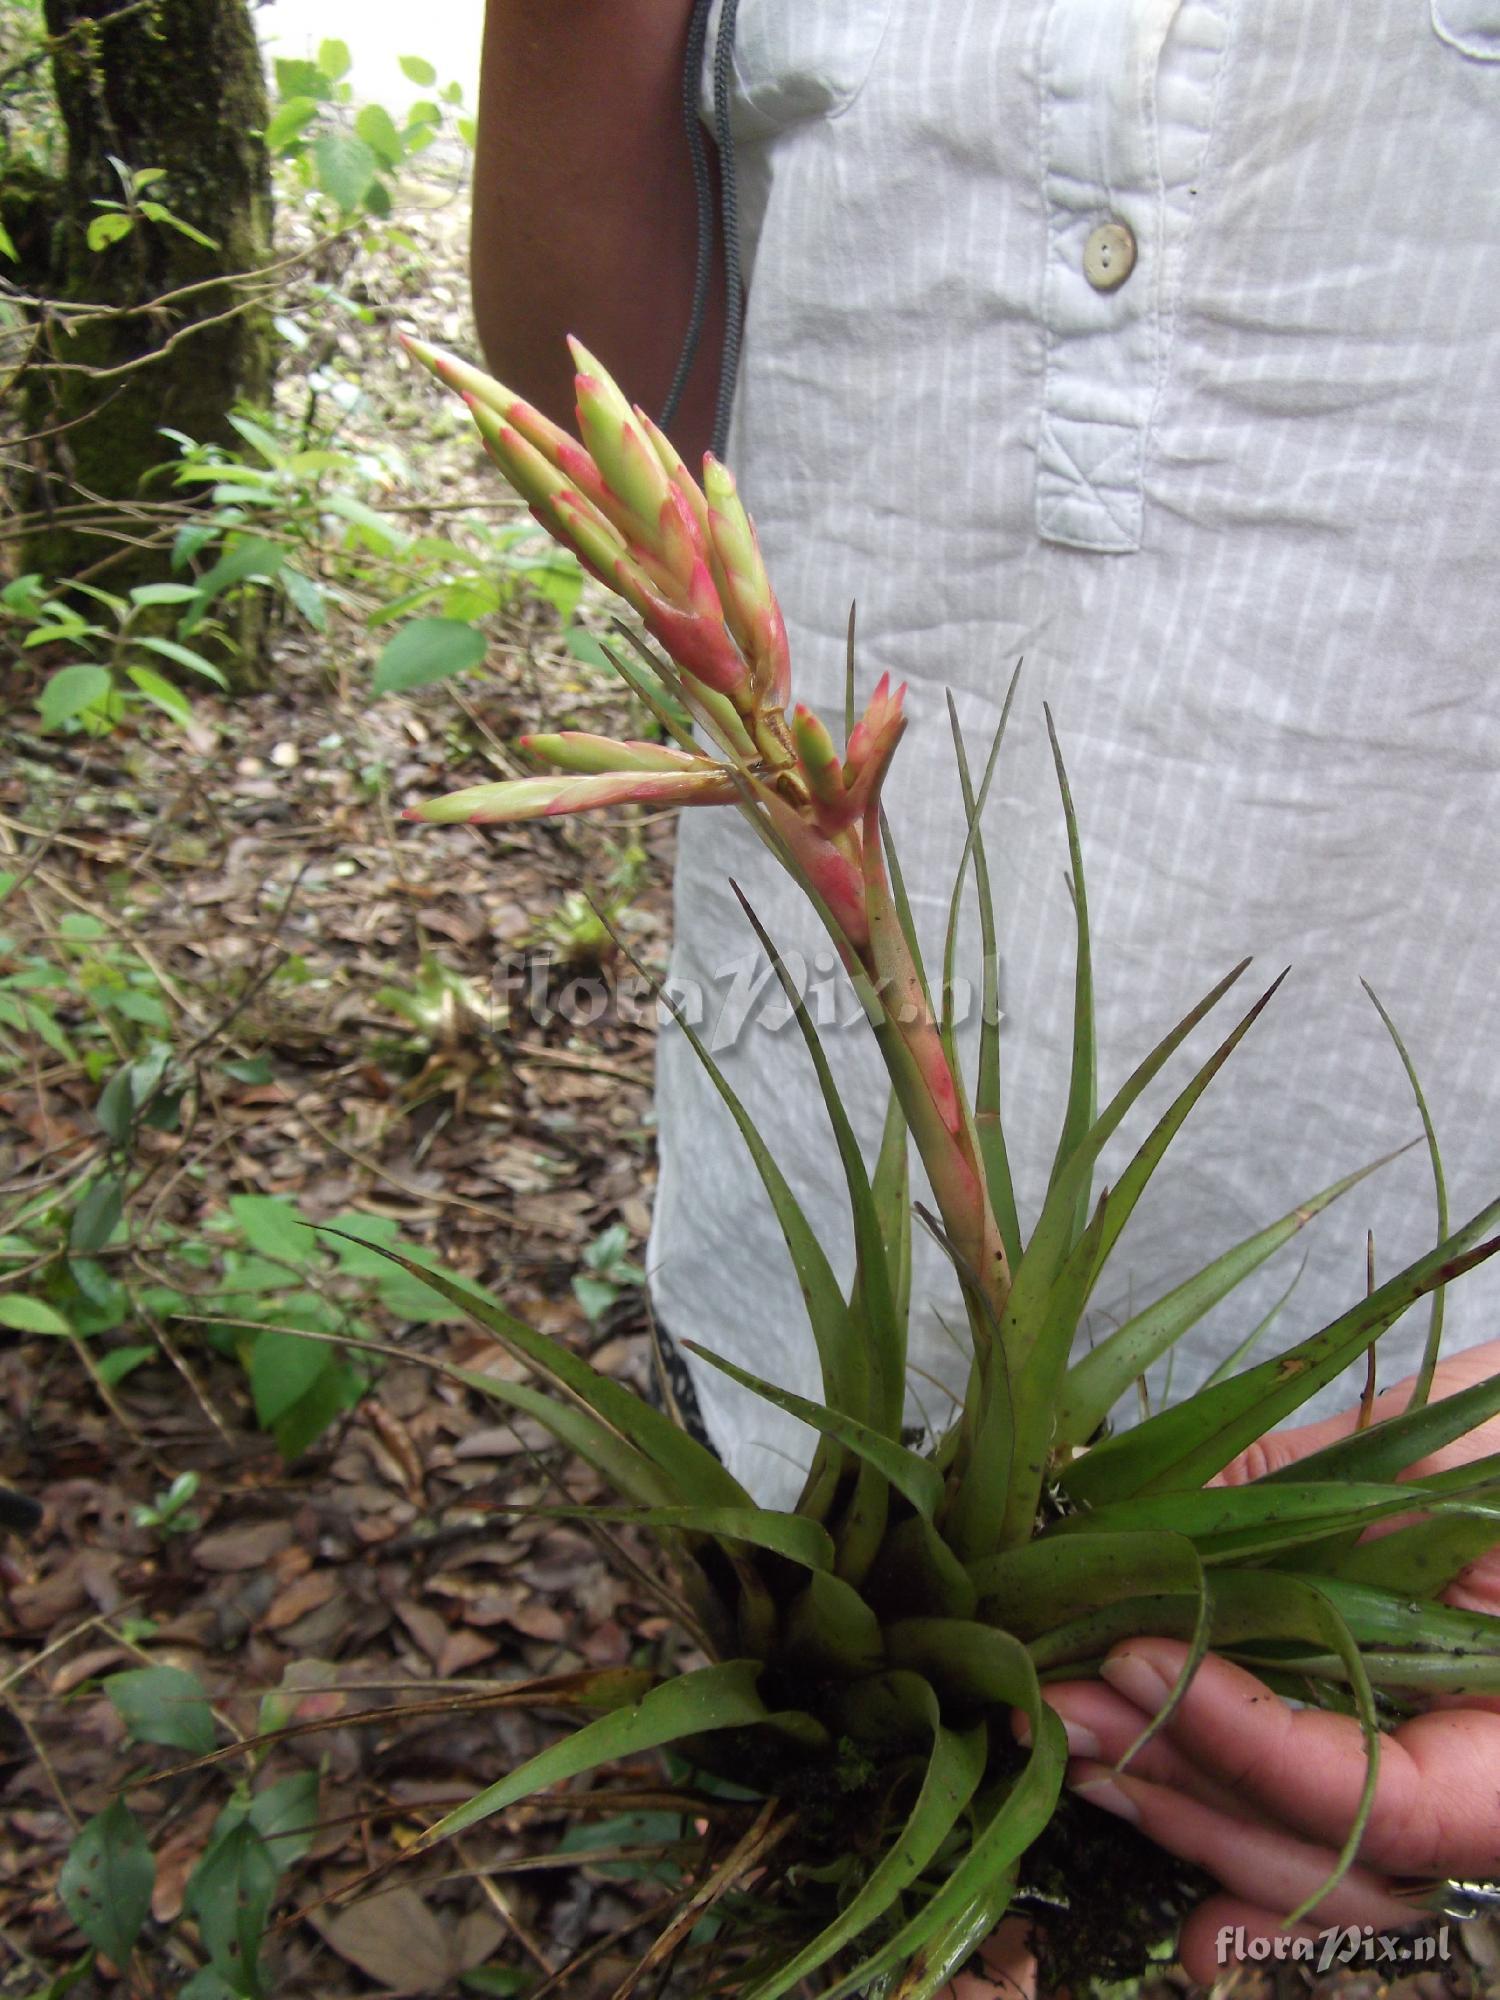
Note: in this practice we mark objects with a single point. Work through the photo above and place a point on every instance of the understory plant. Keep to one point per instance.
(862, 1653)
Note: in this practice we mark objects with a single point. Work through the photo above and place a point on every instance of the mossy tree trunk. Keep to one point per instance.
(177, 85)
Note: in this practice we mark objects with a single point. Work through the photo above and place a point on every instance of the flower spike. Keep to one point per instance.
(548, 798)
(576, 750)
(687, 560)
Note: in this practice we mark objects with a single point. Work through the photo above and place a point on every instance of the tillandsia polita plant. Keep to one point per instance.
(865, 1651)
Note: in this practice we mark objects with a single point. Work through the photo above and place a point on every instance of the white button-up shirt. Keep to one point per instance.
(1240, 513)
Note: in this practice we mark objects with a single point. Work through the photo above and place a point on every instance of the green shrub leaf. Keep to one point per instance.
(163, 1705)
(428, 650)
(107, 1879)
(721, 1697)
(345, 166)
(70, 691)
(274, 1228)
(29, 1315)
(230, 1894)
(97, 1216)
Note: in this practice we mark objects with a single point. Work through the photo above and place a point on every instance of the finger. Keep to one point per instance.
(1477, 1588)
(1101, 1725)
(1435, 1798)
(1219, 1935)
(1263, 1865)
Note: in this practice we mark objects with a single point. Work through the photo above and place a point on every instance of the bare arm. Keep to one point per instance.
(585, 220)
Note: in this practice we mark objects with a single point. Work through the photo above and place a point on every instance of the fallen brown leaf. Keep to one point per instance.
(247, 1547)
(303, 1594)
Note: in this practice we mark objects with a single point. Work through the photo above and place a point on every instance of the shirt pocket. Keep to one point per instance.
(1470, 26)
(793, 60)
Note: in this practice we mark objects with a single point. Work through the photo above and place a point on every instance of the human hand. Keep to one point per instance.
(1262, 1795)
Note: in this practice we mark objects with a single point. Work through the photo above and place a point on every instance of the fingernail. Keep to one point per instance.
(1081, 1742)
(1105, 1791)
(1133, 1676)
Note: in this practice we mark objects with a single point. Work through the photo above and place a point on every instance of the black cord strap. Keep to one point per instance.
(734, 287)
(734, 284)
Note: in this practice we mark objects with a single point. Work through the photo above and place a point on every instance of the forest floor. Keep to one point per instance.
(376, 1021)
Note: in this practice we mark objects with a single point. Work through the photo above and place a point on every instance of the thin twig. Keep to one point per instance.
(39, 1751)
(767, 1832)
(180, 1362)
(592, 1065)
(152, 355)
(506, 1911)
(33, 1661)
(413, 1193)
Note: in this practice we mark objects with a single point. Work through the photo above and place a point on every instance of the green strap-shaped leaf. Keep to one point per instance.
(989, 1130)
(695, 1475)
(1225, 1522)
(876, 1328)
(973, 809)
(1186, 1445)
(1395, 1443)
(965, 1661)
(1096, 1383)
(933, 1966)
(1047, 1582)
(1285, 1607)
(1472, 1473)
(1082, 1105)
(1192, 1660)
(1381, 1618)
(1055, 1275)
(626, 1469)
(1052, 1237)
(1420, 1674)
(1023, 1811)
(1066, 1650)
(1034, 1399)
(918, 1478)
(919, 1576)
(1423, 1386)
(1120, 1202)
(828, 1632)
(791, 1535)
(721, 1697)
(1239, 1355)
(1422, 1559)
(861, 1528)
(954, 1770)
(840, 1352)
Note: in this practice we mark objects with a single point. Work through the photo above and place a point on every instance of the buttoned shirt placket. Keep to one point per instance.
(1126, 110)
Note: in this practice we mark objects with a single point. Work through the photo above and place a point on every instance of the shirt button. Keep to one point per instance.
(1109, 256)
